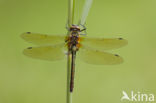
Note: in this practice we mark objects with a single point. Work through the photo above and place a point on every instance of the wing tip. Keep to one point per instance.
(23, 35)
(125, 42)
(26, 51)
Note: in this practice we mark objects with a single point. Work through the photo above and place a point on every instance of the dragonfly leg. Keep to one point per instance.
(67, 26)
(84, 29)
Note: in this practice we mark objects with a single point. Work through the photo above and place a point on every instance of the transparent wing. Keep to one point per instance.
(104, 43)
(50, 53)
(43, 39)
(99, 57)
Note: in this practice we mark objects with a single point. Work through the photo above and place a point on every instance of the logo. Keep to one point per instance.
(137, 96)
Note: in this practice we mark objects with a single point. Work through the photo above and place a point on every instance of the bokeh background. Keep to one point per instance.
(26, 80)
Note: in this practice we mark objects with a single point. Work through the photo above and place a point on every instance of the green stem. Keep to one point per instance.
(71, 10)
(69, 94)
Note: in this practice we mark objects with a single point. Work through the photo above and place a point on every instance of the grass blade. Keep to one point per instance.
(85, 11)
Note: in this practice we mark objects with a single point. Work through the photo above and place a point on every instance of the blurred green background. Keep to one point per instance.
(26, 80)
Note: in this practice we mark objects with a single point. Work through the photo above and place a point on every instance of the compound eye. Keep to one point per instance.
(71, 29)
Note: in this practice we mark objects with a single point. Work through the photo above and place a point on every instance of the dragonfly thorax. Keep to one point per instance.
(73, 41)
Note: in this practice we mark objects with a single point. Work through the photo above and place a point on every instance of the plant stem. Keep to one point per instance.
(69, 94)
(71, 10)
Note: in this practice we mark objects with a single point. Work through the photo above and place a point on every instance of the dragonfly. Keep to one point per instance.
(91, 50)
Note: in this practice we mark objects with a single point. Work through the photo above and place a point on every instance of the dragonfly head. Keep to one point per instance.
(74, 28)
